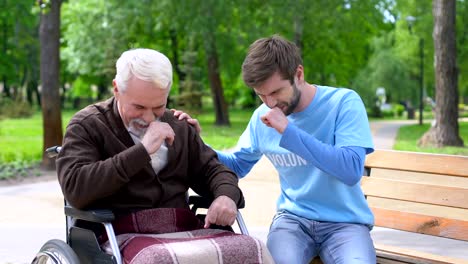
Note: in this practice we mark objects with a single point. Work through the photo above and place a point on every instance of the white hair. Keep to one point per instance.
(146, 65)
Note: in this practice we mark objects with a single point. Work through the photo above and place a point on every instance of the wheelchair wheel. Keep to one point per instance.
(57, 252)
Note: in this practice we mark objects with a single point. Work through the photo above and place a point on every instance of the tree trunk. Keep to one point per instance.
(445, 132)
(222, 114)
(211, 53)
(298, 25)
(31, 90)
(6, 89)
(209, 40)
(33, 69)
(49, 34)
(175, 56)
(102, 89)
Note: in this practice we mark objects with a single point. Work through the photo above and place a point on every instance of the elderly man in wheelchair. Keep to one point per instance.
(130, 156)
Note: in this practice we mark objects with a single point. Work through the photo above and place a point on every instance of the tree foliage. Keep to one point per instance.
(19, 46)
(361, 45)
(386, 69)
(462, 47)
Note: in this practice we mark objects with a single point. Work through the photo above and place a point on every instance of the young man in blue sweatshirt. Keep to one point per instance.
(317, 138)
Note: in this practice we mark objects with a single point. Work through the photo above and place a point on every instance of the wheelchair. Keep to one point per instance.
(82, 246)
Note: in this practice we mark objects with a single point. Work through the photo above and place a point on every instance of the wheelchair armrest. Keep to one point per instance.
(200, 201)
(52, 152)
(203, 202)
(95, 215)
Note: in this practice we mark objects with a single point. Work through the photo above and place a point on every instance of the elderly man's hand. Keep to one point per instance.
(222, 211)
(156, 134)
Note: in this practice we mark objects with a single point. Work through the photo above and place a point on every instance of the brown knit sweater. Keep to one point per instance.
(100, 166)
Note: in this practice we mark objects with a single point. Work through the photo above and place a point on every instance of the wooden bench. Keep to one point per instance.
(419, 193)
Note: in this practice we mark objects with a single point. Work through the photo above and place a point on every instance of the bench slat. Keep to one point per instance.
(418, 223)
(385, 254)
(389, 260)
(415, 192)
(419, 162)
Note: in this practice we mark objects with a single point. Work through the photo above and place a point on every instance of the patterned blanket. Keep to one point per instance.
(169, 235)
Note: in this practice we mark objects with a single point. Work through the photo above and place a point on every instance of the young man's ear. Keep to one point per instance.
(300, 73)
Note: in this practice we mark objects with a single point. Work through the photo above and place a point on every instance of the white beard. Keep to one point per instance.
(159, 158)
(136, 130)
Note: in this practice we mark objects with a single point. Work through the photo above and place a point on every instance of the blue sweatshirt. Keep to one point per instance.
(319, 157)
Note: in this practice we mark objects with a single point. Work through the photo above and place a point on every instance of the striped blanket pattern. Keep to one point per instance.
(170, 235)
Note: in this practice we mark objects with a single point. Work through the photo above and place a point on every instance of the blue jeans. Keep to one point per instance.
(293, 239)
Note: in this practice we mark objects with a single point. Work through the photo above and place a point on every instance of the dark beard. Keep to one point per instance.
(294, 101)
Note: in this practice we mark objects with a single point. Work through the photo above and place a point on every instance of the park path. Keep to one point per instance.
(384, 132)
(32, 213)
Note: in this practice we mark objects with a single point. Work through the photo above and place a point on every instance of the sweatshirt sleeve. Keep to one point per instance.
(344, 163)
(237, 162)
(246, 154)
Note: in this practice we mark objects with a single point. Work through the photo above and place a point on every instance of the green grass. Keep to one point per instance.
(408, 137)
(223, 137)
(21, 139)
